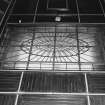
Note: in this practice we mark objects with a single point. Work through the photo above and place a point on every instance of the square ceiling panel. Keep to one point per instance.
(51, 100)
(53, 82)
(7, 99)
(9, 81)
(61, 5)
(97, 100)
(96, 83)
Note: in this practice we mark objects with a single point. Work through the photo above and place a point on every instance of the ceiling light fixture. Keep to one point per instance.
(20, 21)
(57, 19)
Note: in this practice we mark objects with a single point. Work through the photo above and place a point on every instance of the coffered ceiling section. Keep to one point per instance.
(76, 11)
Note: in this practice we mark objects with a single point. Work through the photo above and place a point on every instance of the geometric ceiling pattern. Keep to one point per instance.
(60, 46)
(47, 59)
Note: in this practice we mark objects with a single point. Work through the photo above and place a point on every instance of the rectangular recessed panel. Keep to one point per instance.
(97, 100)
(9, 81)
(47, 18)
(66, 8)
(92, 18)
(51, 100)
(90, 6)
(57, 4)
(21, 19)
(7, 99)
(53, 82)
(24, 7)
(96, 83)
